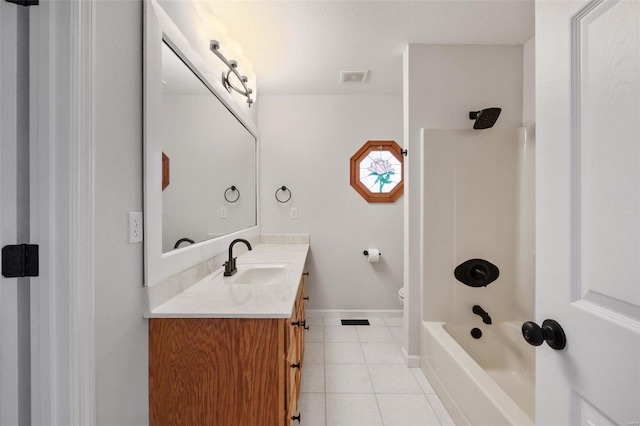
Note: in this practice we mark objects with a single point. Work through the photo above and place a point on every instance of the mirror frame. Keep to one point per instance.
(160, 28)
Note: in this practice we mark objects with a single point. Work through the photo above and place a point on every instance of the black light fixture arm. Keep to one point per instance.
(214, 46)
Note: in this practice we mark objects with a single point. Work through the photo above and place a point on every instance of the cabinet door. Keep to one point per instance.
(216, 371)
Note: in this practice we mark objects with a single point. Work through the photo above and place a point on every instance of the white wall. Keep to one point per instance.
(306, 144)
(442, 83)
(121, 333)
(529, 83)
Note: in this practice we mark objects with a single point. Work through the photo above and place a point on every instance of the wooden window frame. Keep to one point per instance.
(361, 154)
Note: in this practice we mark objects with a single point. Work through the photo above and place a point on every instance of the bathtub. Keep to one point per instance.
(488, 381)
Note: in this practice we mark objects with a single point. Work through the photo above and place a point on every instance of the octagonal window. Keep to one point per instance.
(377, 171)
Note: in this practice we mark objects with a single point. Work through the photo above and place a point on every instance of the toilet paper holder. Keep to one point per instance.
(366, 253)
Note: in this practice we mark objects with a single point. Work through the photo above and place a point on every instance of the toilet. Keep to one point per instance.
(401, 295)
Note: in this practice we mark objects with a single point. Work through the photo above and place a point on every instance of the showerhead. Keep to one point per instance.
(485, 118)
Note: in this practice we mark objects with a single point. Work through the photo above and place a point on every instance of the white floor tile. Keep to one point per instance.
(394, 322)
(422, 380)
(340, 334)
(382, 353)
(332, 322)
(312, 378)
(314, 321)
(312, 409)
(374, 334)
(314, 334)
(440, 410)
(406, 410)
(343, 353)
(347, 378)
(390, 378)
(355, 375)
(313, 353)
(397, 333)
(352, 410)
(376, 322)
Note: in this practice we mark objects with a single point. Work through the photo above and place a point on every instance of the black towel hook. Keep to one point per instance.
(232, 188)
(283, 189)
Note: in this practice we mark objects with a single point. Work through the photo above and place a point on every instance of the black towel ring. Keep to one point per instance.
(232, 188)
(283, 189)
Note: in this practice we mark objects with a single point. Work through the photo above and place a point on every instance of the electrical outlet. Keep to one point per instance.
(135, 227)
(294, 213)
(223, 212)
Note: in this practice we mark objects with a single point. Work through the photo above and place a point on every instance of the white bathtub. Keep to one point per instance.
(488, 381)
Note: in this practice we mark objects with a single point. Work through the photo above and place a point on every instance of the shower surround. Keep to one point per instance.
(478, 203)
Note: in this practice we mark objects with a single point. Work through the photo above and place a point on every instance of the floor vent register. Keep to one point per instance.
(355, 322)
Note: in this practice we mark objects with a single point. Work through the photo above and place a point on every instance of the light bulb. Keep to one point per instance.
(216, 30)
(233, 50)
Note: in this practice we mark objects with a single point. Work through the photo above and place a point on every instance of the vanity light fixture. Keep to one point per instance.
(214, 45)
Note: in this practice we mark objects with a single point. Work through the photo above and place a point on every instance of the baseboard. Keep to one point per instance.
(412, 361)
(362, 313)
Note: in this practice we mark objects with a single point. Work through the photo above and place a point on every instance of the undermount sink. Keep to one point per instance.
(261, 274)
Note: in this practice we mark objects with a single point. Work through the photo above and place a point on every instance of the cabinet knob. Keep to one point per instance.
(296, 418)
(295, 365)
(305, 274)
(306, 298)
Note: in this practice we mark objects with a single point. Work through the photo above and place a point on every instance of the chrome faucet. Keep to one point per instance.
(477, 309)
(230, 265)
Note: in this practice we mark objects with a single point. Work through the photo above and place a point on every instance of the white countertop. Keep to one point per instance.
(216, 296)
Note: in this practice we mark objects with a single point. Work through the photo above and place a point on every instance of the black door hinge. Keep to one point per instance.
(20, 261)
(403, 152)
(24, 2)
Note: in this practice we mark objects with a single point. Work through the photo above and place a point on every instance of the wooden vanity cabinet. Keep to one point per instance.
(226, 371)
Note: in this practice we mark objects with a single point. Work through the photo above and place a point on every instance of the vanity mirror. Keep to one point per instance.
(200, 155)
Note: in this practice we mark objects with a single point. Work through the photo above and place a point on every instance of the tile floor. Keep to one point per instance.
(354, 375)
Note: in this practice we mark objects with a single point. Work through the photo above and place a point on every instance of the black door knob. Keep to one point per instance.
(551, 332)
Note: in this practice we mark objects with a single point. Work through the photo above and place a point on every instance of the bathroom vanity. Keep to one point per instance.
(229, 350)
(223, 350)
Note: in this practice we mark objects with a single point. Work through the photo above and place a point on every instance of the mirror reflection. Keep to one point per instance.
(209, 161)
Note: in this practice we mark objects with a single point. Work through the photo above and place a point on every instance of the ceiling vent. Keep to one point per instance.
(353, 76)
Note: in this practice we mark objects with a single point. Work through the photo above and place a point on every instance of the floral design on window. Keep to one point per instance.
(377, 171)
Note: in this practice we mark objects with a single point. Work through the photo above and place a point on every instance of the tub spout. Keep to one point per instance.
(477, 309)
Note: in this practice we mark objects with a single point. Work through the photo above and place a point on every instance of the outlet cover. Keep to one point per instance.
(135, 227)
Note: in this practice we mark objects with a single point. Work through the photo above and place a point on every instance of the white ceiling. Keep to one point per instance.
(300, 47)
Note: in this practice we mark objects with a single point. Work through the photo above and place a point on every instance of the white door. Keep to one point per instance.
(588, 210)
(14, 222)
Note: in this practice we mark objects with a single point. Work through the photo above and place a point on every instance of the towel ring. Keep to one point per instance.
(283, 189)
(232, 188)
